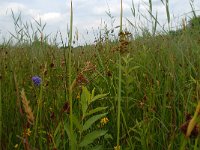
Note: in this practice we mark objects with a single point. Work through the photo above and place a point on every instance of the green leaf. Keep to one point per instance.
(57, 129)
(92, 120)
(67, 130)
(95, 110)
(77, 123)
(97, 97)
(89, 138)
(108, 136)
(56, 136)
(85, 97)
(92, 95)
(97, 147)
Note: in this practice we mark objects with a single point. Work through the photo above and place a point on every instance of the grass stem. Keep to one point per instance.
(1, 119)
(72, 145)
(119, 84)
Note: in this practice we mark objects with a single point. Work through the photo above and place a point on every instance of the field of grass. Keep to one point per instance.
(140, 93)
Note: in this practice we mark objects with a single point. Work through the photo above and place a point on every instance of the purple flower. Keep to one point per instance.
(36, 80)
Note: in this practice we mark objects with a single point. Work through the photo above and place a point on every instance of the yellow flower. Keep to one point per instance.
(78, 96)
(117, 147)
(104, 120)
(27, 132)
(16, 146)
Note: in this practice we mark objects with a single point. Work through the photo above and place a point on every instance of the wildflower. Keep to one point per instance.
(78, 96)
(16, 146)
(104, 121)
(27, 132)
(36, 80)
(117, 147)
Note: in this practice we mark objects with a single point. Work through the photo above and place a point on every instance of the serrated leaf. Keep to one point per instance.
(90, 137)
(95, 111)
(92, 120)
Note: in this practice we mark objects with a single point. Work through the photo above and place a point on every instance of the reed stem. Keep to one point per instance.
(119, 84)
(1, 120)
(72, 145)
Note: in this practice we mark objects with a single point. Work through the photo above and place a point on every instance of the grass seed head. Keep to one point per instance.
(27, 108)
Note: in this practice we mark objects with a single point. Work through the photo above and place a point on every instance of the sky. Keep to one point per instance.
(89, 15)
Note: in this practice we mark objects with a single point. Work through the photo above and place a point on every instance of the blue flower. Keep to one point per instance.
(36, 80)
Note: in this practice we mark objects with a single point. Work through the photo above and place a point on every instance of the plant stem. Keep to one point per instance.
(1, 119)
(119, 88)
(70, 80)
(37, 116)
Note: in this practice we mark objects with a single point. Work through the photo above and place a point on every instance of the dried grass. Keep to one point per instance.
(27, 108)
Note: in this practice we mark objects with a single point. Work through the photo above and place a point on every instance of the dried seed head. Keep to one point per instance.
(89, 67)
(66, 107)
(109, 73)
(52, 116)
(27, 108)
(52, 65)
(81, 79)
(184, 128)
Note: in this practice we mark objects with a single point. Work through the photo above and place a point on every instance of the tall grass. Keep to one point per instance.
(1, 117)
(120, 80)
(137, 92)
(72, 143)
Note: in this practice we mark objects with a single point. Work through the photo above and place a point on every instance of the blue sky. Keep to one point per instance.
(89, 15)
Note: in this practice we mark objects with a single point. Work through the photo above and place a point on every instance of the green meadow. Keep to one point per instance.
(136, 92)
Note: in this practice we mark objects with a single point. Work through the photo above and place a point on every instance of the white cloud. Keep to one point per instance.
(50, 17)
(87, 13)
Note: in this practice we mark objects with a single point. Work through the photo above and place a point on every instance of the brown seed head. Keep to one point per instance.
(27, 108)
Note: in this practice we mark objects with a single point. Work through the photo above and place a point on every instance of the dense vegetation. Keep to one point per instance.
(160, 88)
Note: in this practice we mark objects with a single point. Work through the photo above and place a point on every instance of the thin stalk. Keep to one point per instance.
(121, 15)
(183, 143)
(1, 119)
(37, 115)
(119, 88)
(125, 125)
(119, 101)
(168, 13)
(72, 145)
